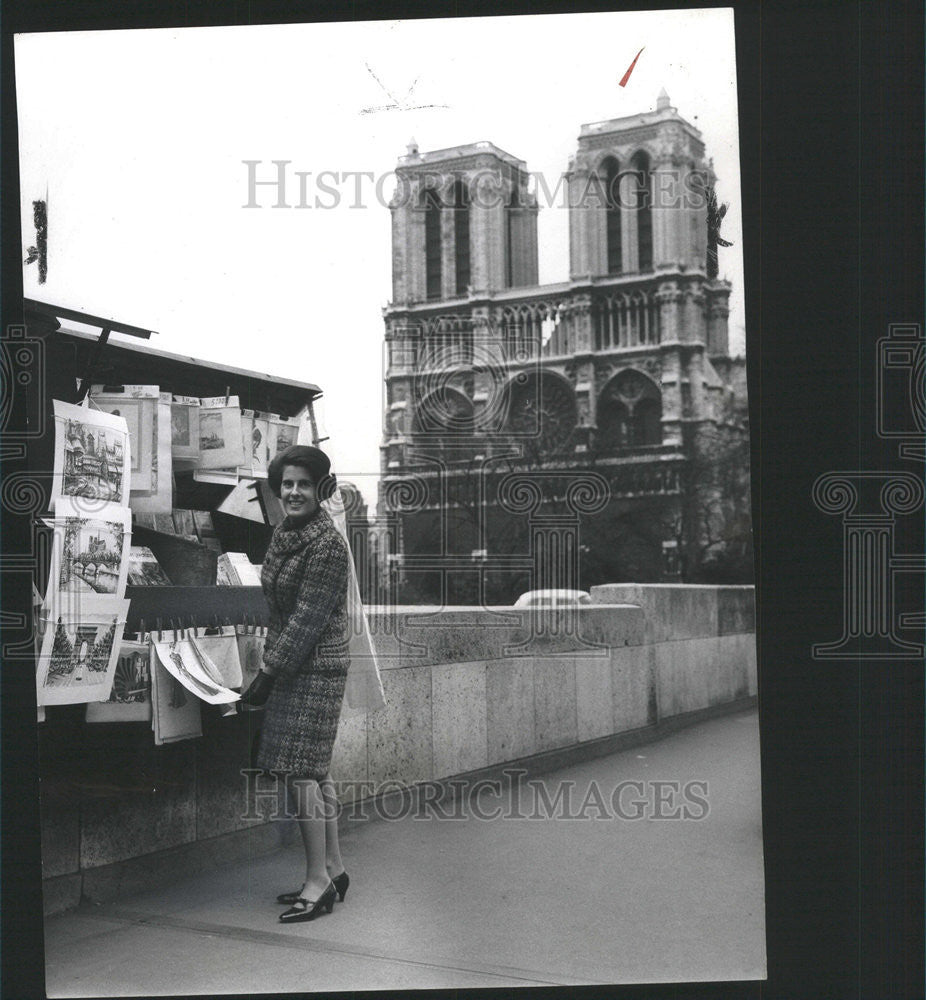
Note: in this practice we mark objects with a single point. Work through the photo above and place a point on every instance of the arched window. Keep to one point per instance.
(512, 212)
(432, 246)
(644, 210)
(613, 215)
(461, 236)
(629, 413)
(541, 413)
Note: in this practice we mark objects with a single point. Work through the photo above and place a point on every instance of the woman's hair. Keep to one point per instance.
(315, 462)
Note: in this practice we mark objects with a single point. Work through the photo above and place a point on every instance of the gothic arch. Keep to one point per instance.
(629, 412)
(640, 165)
(541, 412)
(460, 202)
(433, 267)
(444, 410)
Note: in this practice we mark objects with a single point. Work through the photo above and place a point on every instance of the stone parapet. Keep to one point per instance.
(467, 690)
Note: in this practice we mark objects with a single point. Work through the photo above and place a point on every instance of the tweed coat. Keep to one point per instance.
(304, 579)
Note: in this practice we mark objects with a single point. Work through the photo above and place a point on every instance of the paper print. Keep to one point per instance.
(160, 499)
(79, 656)
(92, 455)
(250, 656)
(90, 555)
(220, 444)
(138, 404)
(130, 698)
(194, 670)
(247, 445)
(184, 428)
(144, 569)
(221, 650)
(260, 440)
(175, 713)
(283, 434)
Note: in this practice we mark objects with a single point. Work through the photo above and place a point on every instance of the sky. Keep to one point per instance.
(141, 140)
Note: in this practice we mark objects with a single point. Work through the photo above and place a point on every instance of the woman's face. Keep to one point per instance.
(297, 491)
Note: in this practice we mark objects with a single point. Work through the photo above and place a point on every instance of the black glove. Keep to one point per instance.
(260, 689)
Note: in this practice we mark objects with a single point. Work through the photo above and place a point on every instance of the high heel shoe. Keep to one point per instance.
(340, 882)
(304, 909)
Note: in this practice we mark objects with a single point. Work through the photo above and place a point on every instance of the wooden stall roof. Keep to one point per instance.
(143, 364)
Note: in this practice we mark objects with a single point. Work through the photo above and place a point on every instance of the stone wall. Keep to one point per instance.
(467, 690)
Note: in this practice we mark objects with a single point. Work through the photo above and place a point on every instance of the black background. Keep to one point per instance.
(831, 138)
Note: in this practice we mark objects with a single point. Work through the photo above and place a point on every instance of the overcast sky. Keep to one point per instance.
(140, 137)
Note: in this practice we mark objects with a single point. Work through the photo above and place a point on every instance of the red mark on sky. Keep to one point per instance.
(626, 76)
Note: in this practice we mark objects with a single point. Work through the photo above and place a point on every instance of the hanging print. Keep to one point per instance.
(90, 555)
(79, 656)
(92, 455)
(130, 697)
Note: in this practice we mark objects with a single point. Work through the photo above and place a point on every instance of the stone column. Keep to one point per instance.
(668, 217)
(718, 311)
(669, 299)
(583, 233)
(671, 398)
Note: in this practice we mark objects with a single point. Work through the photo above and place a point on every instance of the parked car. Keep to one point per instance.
(553, 598)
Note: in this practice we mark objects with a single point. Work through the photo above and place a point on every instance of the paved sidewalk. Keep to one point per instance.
(440, 903)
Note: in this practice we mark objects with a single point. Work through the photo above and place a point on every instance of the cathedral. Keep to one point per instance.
(561, 435)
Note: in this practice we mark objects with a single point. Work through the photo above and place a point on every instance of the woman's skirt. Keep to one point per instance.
(301, 722)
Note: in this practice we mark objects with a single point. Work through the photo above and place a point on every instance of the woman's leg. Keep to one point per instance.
(309, 808)
(333, 861)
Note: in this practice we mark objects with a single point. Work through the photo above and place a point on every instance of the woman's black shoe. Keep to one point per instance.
(304, 909)
(340, 882)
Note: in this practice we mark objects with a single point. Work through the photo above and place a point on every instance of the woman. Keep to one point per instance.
(305, 578)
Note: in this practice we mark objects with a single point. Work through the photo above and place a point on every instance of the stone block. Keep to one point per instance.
(510, 709)
(221, 788)
(141, 874)
(594, 697)
(60, 820)
(399, 735)
(350, 766)
(686, 674)
(732, 653)
(458, 692)
(157, 811)
(633, 688)
(736, 610)
(671, 611)
(416, 636)
(61, 893)
(555, 712)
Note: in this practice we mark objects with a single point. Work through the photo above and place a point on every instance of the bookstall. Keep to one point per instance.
(153, 466)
